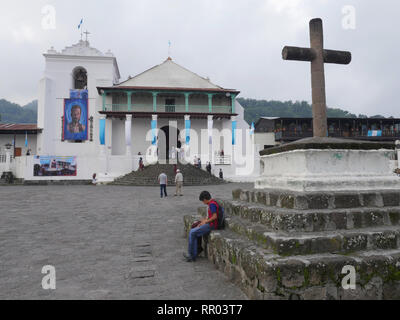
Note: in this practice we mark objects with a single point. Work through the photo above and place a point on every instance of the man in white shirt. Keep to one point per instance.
(179, 183)
(163, 179)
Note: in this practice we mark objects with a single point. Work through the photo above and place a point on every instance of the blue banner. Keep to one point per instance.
(187, 127)
(234, 132)
(375, 133)
(252, 129)
(102, 132)
(153, 132)
(79, 94)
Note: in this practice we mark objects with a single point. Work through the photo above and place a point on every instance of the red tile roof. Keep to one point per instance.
(18, 127)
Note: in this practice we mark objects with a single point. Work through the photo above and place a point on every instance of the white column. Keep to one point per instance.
(210, 124)
(8, 161)
(128, 135)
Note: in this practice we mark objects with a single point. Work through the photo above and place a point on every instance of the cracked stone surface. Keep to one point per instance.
(105, 242)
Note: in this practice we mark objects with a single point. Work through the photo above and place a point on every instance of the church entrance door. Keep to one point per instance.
(168, 142)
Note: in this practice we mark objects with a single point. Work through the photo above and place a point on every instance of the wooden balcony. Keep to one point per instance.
(167, 108)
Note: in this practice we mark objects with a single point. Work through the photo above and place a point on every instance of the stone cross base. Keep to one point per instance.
(307, 170)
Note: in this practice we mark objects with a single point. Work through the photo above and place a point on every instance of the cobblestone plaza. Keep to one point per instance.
(105, 242)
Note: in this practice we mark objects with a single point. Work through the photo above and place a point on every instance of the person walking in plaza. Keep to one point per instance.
(179, 183)
(204, 227)
(163, 180)
(221, 174)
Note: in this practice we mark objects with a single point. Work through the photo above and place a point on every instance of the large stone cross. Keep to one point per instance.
(317, 55)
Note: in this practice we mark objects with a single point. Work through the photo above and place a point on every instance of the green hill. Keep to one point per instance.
(254, 109)
(14, 113)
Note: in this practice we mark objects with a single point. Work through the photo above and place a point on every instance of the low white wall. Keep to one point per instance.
(86, 166)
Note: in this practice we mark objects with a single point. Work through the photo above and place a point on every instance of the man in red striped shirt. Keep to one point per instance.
(205, 226)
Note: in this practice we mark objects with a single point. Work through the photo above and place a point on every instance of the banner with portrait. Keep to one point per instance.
(75, 123)
(54, 166)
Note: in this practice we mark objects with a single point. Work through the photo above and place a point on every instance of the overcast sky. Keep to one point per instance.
(236, 43)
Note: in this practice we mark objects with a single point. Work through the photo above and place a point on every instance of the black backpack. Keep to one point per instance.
(221, 218)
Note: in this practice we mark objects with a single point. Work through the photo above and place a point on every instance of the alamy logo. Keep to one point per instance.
(349, 19)
(49, 19)
(349, 280)
(49, 280)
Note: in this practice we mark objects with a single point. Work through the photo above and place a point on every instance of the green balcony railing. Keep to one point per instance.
(167, 108)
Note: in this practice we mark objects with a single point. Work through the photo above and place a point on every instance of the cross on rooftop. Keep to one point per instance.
(87, 33)
(317, 55)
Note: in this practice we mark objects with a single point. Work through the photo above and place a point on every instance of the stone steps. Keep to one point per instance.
(263, 274)
(295, 245)
(319, 200)
(287, 244)
(16, 182)
(316, 220)
(147, 181)
(148, 177)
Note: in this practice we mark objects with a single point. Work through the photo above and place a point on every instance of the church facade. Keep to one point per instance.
(91, 122)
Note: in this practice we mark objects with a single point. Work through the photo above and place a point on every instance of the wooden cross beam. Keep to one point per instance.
(317, 55)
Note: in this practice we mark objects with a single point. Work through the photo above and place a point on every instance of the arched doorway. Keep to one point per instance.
(168, 141)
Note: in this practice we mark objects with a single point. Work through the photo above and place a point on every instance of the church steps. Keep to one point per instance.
(319, 200)
(293, 220)
(142, 181)
(148, 177)
(264, 275)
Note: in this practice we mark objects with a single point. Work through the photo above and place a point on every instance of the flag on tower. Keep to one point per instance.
(80, 24)
(26, 139)
(252, 129)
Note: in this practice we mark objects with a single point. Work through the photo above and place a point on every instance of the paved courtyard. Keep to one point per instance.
(106, 242)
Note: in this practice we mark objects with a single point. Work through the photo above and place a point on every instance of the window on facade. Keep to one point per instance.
(80, 78)
(170, 105)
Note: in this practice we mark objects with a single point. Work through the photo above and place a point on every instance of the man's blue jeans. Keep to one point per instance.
(194, 234)
(163, 188)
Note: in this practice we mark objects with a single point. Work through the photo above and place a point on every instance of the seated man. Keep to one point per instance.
(205, 226)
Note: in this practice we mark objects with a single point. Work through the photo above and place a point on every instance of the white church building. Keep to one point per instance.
(90, 122)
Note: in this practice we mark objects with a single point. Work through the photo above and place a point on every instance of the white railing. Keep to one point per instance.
(3, 158)
(223, 160)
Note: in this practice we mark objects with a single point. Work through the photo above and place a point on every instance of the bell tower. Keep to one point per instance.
(77, 68)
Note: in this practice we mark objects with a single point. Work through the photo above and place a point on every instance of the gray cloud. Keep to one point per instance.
(236, 43)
